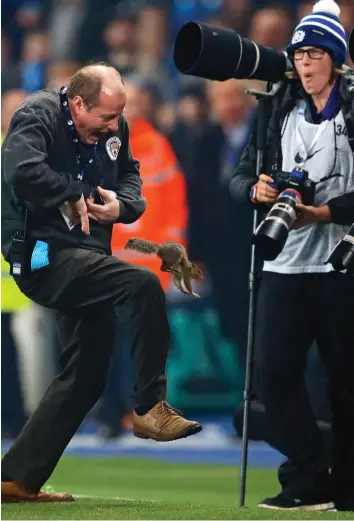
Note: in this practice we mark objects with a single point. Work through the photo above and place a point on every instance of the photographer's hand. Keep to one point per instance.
(106, 213)
(264, 192)
(310, 214)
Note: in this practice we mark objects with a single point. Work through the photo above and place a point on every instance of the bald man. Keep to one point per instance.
(67, 176)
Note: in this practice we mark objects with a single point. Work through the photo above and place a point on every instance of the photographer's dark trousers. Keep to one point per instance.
(292, 312)
(88, 289)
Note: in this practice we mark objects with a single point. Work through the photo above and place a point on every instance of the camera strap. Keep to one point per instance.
(306, 151)
(74, 135)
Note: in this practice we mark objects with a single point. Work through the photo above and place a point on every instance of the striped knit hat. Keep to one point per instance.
(322, 29)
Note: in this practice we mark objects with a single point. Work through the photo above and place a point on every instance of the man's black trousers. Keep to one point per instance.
(89, 290)
(292, 312)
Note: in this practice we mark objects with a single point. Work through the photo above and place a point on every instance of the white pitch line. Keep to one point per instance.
(88, 496)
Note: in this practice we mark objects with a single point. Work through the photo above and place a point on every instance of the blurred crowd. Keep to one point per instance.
(188, 134)
(45, 41)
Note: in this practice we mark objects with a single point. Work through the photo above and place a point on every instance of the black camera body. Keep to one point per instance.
(95, 196)
(271, 235)
(297, 180)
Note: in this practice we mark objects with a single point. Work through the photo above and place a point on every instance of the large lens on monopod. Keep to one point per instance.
(215, 53)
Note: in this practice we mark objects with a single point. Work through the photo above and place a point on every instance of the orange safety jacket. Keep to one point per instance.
(164, 188)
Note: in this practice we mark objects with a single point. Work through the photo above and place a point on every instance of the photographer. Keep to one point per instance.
(66, 163)
(301, 299)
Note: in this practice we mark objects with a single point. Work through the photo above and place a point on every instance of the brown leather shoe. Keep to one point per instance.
(163, 423)
(14, 492)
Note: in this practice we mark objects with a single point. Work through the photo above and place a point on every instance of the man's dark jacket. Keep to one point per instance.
(342, 207)
(39, 171)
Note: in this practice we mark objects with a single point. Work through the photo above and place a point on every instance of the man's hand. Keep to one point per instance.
(106, 213)
(80, 209)
(310, 215)
(264, 193)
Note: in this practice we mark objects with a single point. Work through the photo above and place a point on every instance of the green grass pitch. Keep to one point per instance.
(116, 488)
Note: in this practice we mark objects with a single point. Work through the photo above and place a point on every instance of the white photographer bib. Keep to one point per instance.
(324, 151)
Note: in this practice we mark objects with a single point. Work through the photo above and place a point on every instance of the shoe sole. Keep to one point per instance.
(189, 432)
(17, 500)
(313, 508)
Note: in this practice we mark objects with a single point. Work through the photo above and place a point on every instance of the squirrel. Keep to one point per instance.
(174, 260)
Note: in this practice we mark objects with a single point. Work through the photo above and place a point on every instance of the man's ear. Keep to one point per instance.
(78, 102)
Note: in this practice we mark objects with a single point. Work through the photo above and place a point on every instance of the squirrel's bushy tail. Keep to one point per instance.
(142, 245)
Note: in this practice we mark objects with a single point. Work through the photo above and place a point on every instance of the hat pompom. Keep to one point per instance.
(327, 6)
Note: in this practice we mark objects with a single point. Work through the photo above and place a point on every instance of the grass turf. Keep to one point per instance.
(144, 489)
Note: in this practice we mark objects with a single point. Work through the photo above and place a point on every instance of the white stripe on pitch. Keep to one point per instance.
(88, 496)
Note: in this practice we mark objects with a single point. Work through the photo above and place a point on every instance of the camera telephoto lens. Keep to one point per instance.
(342, 257)
(216, 53)
(271, 235)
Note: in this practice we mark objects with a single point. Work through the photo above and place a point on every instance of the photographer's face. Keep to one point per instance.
(92, 123)
(315, 69)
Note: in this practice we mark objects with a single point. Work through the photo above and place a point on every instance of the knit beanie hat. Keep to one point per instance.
(322, 29)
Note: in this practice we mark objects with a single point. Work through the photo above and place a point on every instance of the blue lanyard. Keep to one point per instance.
(75, 137)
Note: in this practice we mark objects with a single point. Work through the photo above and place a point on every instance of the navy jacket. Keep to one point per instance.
(39, 172)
